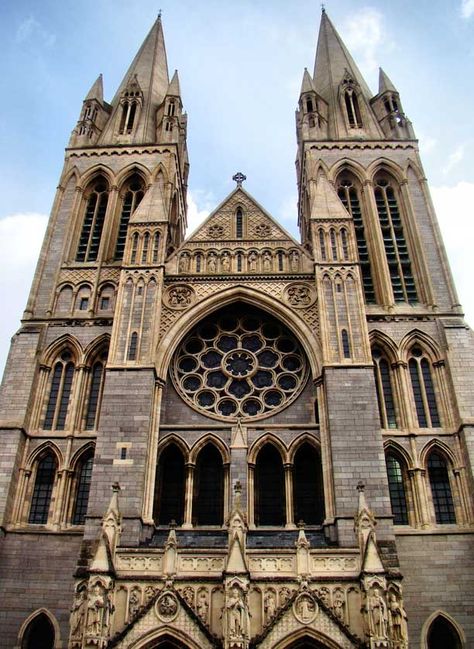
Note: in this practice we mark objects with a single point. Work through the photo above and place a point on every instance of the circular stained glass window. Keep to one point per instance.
(239, 363)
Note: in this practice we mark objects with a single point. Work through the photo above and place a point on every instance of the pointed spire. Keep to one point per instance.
(385, 83)
(149, 69)
(174, 89)
(96, 91)
(326, 204)
(307, 83)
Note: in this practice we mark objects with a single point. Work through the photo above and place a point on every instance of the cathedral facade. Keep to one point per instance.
(236, 439)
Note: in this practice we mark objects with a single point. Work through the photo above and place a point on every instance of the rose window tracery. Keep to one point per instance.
(239, 363)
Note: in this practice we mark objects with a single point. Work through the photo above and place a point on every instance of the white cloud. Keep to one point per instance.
(454, 158)
(32, 30)
(427, 143)
(456, 218)
(364, 34)
(20, 242)
(467, 8)
(200, 205)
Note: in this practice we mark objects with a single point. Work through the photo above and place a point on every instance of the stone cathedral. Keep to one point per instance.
(236, 440)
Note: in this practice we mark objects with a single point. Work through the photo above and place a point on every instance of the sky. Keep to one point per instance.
(240, 66)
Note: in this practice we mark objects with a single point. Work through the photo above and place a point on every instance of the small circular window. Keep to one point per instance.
(239, 363)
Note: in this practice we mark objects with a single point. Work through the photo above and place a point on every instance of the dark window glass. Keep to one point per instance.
(441, 489)
(280, 260)
(94, 395)
(208, 508)
(332, 237)
(383, 385)
(66, 393)
(156, 244)
(96, 207)
(322, 245)
(443, 635)
(269, 488)
(134, 192)
(146, 243)
(39, 634)
(104, 303)
(308, 504)
(132, 350)
(239, 224)
(169, 491)
(352, 107)
(84, 303)
(59, 395)
(345, 344)
(423, 390)
(44, 482)
(397, 491)
(82, 491)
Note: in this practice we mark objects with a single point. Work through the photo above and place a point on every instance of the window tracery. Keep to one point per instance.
(60, 392)
(383, 384)
(396, 474)
(96, 199)
(43, 490)
(83, 483)
(240, 363)
(131, 196)
(441, 493)
(423, 389)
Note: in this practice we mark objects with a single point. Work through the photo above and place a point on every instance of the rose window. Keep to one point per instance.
(239, 363)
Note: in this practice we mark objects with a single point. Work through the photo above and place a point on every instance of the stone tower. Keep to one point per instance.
(235, 439)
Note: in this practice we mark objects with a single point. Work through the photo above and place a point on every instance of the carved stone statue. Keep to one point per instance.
(184, 263)
(96, 608)
(294, 261)
(267, 261)
(377, 615)
(133, 603)
(285, 595)
(203, 606)
(269, 606)
(78, 612)
(397, 619)
(236, 617)
(339, 604)
(211, 264)
(253, 261)
(225, 262)
(188, 595)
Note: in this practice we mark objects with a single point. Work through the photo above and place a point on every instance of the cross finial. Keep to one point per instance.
(159, 13)
(239, 178)
(323, 8)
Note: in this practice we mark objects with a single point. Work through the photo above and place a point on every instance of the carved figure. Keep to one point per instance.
(267, 261)
(294, 260)
(96, 607)
(305, 609)
(324, 596)
(184, 263)
(269, 606)
(188, 595)
(215, 231)
(397, 619)
(225, 262)
(78, 612)
(179, 296)
(167, 605)
(262, 230)
(150, 592)
(339, 604)
(211, 264)
(236, 614)
(299, 295)
(203, 606)
(253, 261)
(377, 615)
(285, 595)
(133, 603)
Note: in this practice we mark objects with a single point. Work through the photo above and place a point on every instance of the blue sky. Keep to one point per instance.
(240, 66)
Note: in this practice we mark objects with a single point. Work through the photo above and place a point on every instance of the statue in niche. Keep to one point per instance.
(188, 595)
(96, 607)
(225, 262)
(267, 261)
(285, 595)
(150, 592)
(397, 618)
(324, 597)
(237, 617)
(377, 615)
(339, 604)
(269, 606)
(203, 606)
(78, 612)
(211, 264)
(133, 603)
(305, 609)
(253, 261)
(294, 260)
(184, 261)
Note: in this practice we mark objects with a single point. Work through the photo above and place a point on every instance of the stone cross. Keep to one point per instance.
(239, 178)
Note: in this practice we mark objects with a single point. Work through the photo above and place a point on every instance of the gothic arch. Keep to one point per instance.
(268, 438)
(442, 448)
(387, 344)
(51, 619)
(78, 455)
(154, 638)
(299, 441)
(183, 325)
(424, 340)
(392, 446)
(321, 640)
(203, 441)
(412, 166)
(350, 166)
(177, 441)
(384, 165)
(160, 169)
(429, 621)
(72, 173)
(97, 170)
(48, 446)
(134, 168)
(67, 341)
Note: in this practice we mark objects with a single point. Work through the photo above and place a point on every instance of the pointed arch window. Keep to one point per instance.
(269, 487)
(146, 245)
(239, 224)
(132, 348)
(332, 238)
(346, 348)
(383, 384)
(349, 196)
(95, 392)
(345, 248)
(352, 108)
(96, 199)
(308, 500)
(156, 247)
(60, 393)
(43, 489)
(441, 489)
(169, 488)
(396, 474)
(443, 635)
(423, 390)
(133, 257)
(131, 196)
(84, 475)
(322, 244)
(39, 634)
(396, 249)
(208, 506)
(131, 102)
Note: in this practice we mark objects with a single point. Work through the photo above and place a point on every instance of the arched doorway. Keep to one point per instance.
(442, 634)
(39, 633)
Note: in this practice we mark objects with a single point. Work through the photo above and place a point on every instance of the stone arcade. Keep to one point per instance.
(238, 440)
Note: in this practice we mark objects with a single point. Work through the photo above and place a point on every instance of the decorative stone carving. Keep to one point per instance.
(133, 603)
(339, 604)
(179, 296)
(166, 607)
(215, 231)
(300, 295)
(269, 605)
(150, 592)
(225, 262)
(98, 611)
(184, 263)
(252, 261)
(285, 595)
(212, 263)
(305, 608)
(325, 596)
(397, 621)
(203, 606)
(263, 230)
(236, 618)
(375, 611)
(78, 612)
(187, 594)
(267, 263)
(294, 261)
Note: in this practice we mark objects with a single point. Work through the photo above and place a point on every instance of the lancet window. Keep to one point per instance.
(60, 392)
(443, 635)
(170, 487)
(423, 389)
(39, 634)
(96, 199)
(130, 102)
(352, 108)
(349, 195)
(396, 474)
(396, 248)
(82, 488)
(43, 489)
(308, 503)
(383, 384)
(239, 224)
(95, 392)
(269, 487)
(208, 488)
(440, 489)
(131, 197)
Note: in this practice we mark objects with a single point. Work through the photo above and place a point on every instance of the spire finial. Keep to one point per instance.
(239, 178)
(323, 8)
(159, 14)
